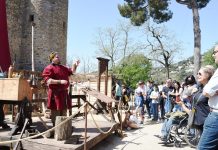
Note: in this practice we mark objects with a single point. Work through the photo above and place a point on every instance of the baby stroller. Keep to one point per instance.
(177, 131)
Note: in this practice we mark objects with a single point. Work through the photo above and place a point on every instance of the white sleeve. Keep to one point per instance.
(212, 86)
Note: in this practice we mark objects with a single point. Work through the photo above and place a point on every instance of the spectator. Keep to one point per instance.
(139, 101)
(125, 98)
(148, 99)
(209, 137)
(176, 93)
(155, 102)
(165, 94)
(118, 95)
(168, 122)
(130, 121)
(190, 84)
(199, 101)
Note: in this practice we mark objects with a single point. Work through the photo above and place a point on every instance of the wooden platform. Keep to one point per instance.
(94, 135)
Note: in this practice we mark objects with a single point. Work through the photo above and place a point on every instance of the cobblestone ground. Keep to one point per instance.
(144, 138)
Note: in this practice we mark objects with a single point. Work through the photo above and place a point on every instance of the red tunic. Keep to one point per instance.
(58, 97)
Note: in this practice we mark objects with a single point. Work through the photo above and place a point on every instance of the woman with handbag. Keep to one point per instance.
(199, 101)
(209, 137)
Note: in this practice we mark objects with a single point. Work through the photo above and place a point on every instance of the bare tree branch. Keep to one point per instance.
(115, 43)
(161, 49)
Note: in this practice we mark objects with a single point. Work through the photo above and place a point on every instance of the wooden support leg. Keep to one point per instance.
(112, 115)
(21, 134)
(101, 107)
(43, 107)
(13, 113)
(85, 142)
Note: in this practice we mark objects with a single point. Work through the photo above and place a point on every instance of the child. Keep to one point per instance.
(130, 121)
(139, 101)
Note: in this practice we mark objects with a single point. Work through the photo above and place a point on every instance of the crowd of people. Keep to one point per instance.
(166, 101)
(170, 101)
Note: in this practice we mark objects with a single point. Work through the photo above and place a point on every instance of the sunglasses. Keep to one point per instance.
(199, 73)
(214, 52)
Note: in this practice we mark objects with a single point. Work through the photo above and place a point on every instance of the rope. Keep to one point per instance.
(31, 137)
(99, 129)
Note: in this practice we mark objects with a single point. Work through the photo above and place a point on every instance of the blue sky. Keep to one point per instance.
(85, 16)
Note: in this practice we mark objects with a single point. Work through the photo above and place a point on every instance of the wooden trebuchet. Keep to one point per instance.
(64, 131)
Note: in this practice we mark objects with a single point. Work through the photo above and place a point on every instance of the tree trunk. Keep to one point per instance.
(168, 72)
(64, 131)
(197, 37)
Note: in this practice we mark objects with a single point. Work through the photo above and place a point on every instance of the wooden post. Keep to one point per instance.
(21, 134)
(78, 102)
(32, 44)
(102, 68)
(106, 78)
(64, 131)
(85, 146)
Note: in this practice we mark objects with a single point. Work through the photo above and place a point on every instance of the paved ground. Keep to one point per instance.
(139, 139)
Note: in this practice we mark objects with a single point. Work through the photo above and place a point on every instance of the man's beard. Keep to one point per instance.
(57, 63)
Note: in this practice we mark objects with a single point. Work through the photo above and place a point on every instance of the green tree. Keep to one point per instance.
(139, 11)
(133, 68)
(208, 59)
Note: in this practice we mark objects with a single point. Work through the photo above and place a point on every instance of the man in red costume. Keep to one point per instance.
(56, 77)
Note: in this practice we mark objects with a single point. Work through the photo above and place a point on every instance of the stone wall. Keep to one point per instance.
(13, 9)
(50, 31)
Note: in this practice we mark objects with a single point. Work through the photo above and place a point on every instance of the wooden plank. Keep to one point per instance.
(94, 136)
(98, 95)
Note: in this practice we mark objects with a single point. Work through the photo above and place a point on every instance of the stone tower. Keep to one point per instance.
(50, 31)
